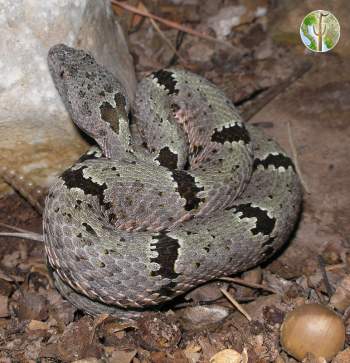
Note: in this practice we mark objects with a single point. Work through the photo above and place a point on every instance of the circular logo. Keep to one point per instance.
(320, 31)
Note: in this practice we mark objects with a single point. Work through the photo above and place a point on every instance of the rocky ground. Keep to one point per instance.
(298, 97)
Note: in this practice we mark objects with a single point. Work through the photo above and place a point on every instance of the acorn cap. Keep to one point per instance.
(312, 328)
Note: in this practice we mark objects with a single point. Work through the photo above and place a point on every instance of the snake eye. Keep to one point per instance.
(62, 74)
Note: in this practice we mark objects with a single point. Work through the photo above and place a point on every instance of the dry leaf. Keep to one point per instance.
(37, 325)
(342, 357)
(192, 352)
(4, 312)
(227, 356)
(122, 356)
(341, 297)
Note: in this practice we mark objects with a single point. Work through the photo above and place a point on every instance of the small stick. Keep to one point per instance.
(236, 304)
(167, 41)
(28, 235)
(21, 233)
(324, 276)
(13, 228)
(179, 39)
(253, 285)
(170, 23)
(295, 158)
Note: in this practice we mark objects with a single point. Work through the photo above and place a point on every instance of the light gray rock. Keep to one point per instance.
(202, 316)
(226, 18)
(37, 136)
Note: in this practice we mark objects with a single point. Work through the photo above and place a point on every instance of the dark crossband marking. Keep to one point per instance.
(167, 250)
(274, 160)
(235, 133)
(165, 79)
(187, 188)
(264, 224)
(167, 158)
(111, 114)
(89, 229)
(75, 179)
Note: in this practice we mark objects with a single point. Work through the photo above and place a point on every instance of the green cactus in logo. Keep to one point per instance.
(320, 31)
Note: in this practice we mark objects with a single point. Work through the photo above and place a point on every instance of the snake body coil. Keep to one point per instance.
(183, 194)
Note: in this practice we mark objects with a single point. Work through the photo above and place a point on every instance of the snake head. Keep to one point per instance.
(68, 71)
(64, 64)
(94, 98)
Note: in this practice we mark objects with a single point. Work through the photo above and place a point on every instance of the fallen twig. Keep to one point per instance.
(161, 33)
(21, 233)
(325, 277)
(170, 23)
(236, 304)
(13, 228)
(179, 38)
(29, 235)
(253, 285)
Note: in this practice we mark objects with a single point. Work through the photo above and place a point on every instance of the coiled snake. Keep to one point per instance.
(181, 194)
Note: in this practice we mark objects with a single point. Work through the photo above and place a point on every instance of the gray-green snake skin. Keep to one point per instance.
(183, 193)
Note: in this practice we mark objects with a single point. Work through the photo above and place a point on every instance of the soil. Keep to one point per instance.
(302, 100)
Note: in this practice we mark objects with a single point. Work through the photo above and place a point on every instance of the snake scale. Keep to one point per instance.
(179, 193)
